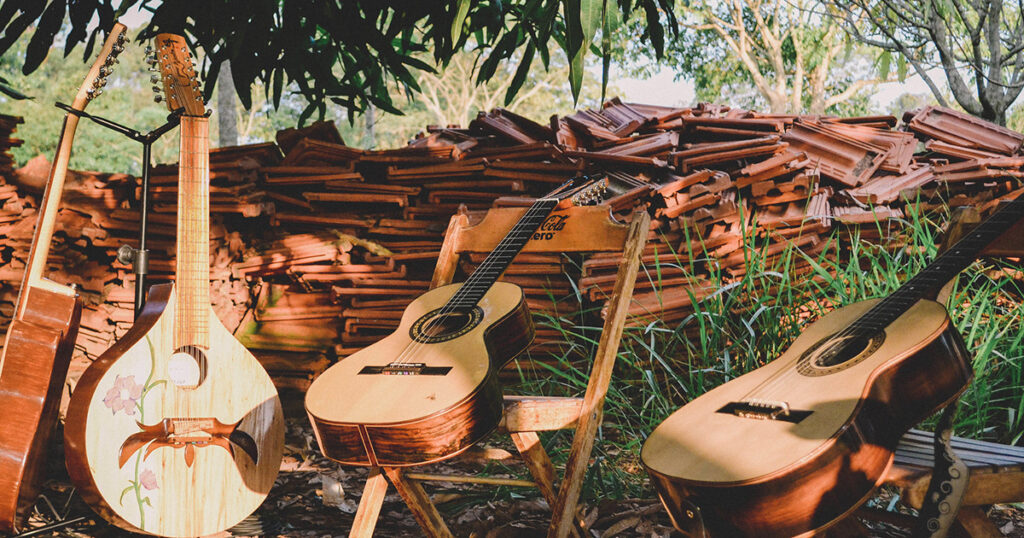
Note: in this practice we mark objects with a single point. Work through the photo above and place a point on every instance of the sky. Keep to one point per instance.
(663, 89)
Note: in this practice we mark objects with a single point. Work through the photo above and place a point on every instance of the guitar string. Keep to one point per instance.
(413, 347)
(767, 388)
(538, 209)
(987, 232)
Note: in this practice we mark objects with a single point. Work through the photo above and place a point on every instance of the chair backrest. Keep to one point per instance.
(575, 229)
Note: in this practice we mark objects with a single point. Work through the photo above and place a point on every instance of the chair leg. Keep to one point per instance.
(566, 504)
(976, 523)
(369, 505)
(543, 471)
(416, 498)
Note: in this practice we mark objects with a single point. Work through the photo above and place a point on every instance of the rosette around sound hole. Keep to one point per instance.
(441, 325)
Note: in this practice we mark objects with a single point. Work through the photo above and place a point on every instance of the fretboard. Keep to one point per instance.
(192, 275)
(499, 259)
(926, 283)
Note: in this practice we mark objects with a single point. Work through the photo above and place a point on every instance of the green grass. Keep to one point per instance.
(749, 320)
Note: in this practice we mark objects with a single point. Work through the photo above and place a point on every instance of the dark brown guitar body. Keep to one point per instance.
(36, 362)
(778, 478)
(41, 337)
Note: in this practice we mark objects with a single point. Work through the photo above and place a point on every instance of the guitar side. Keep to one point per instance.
(197, 479)
(400, 420)
(739, 476)
(36, 359)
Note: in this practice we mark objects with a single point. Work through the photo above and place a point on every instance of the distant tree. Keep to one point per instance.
(346, 52)
(979, 45)
(781, 54)
(127, 99)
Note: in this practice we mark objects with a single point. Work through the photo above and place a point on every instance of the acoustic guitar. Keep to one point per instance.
(796, 445)
(429, 390)
(177, 430)
(38, 345)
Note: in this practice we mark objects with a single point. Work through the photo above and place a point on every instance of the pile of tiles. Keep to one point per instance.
(317, 247)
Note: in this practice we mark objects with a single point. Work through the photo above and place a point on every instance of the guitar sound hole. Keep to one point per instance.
(446, 324)
(437, 326)
(838, 352)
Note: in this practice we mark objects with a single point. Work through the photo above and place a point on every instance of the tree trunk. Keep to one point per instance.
(227, 117)
(369, 132)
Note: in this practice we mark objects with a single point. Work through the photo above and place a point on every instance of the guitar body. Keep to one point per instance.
(36, 359)
(365, 417)
(739, 476)
(41, 337)
(154, 457)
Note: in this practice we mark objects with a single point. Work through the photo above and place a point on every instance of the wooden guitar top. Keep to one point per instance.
(341, 395)
(697, 443)
(200, 486)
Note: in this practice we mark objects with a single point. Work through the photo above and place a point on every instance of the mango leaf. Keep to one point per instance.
(49, 25)
(460, 18)
(901, 67)
(9, 91)
(521, 72)
(884, 63)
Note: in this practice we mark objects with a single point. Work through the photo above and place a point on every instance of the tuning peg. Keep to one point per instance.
(156, 89)
(98, 92)
(157, 98)
(154, 78)
(99, 82)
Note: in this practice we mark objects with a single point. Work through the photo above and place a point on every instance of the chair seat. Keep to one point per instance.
(540, 413)
(997, 471)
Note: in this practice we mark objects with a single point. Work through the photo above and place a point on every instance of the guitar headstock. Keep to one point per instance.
(94, 82)
(591, 192)
(178, 75)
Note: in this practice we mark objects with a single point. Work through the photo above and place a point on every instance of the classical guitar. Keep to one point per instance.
(795, 445)
(177, 430)
(430, 390)
(41, 337)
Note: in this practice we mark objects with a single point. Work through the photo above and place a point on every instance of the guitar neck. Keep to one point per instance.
(501, 257)
(926, 283)
(192, 275)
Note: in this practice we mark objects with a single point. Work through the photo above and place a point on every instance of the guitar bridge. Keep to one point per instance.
(405, 368)
(765, 410)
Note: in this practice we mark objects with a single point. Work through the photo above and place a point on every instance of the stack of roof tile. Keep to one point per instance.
(317, 247)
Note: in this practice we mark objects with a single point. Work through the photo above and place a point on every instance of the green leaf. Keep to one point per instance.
(125, 492)
(901, 67)
(521, 72)
(9, 91)
(49, 25)
(460, 18)
(884, 63)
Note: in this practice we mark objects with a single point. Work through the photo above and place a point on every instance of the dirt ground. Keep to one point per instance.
(316, 497)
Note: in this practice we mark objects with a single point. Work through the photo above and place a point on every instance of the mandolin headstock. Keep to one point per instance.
(96, 79)
(177, 75)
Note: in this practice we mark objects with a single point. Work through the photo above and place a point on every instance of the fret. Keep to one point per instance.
(476, 286)
(941, 270)
(193, 250)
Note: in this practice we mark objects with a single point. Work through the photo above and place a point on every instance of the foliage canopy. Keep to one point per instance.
(346, 52)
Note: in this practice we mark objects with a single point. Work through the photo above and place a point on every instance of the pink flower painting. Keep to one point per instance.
(124, 395)
(148, 479)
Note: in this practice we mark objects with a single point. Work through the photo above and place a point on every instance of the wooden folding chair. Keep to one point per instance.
(583, 229)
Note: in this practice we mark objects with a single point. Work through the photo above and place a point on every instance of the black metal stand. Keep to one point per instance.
(137, 257)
